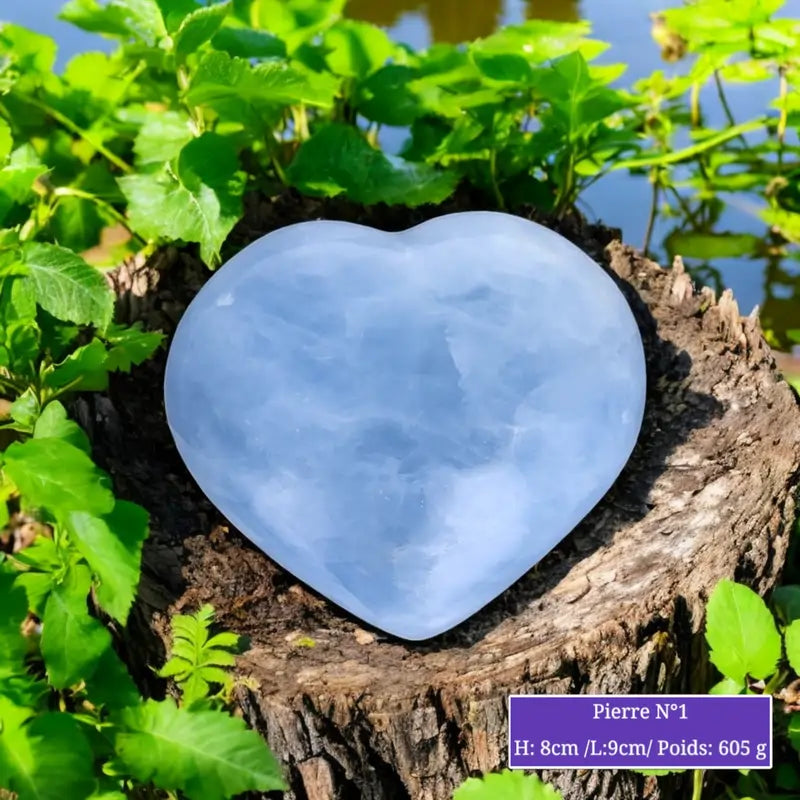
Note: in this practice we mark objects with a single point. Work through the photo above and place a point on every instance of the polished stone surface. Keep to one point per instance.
(409, 421)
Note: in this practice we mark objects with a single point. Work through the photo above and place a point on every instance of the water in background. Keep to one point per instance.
(619, 200)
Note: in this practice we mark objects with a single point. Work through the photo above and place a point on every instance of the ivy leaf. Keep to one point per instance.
(47, 757)
(338, 159)
(66, 286)
(130, 346)
(53, 474)
(197, 657)
(205, 754)
(112, 546)
(72, 640)
(198, 27)
(506, 785)
(741, 633)
(199, 201)
(161, 137)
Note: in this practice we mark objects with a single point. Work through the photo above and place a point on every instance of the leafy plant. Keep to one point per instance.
(506, 785)
(199, 659)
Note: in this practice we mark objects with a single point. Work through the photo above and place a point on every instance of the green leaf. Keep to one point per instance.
(174, 12)
(124, 19)
(130, 346)
(196, 657)
(793, 730)
(541, 40)
(47, 757)
(111, 685)
(17, 179)
(25, 410)
(66, 286)
(72, 640)
(355, 49)
(708, 246)
(727, 686)
(31, 53)
(741, 633)
(792, 641)
(15, 608)
(205, 754)
(338, 159)
(503, 67)
(112, 546)
(198, 27)
(296, 22)
(200, 201)
(6, 141)
(77, 223)
(53, 423)
(53, 474)
(248, 43)
(786, 600)
(506, 785)
(161, 137)
(387, 96)
(82, 370)
(220, 79)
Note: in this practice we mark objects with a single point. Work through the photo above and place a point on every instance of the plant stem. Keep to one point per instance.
(695, 104)
(724, 103)
(651, 219)
(69, 191)
(72, 127)
(782, 94)
(195, 113)
(498, 196)
(697, 784)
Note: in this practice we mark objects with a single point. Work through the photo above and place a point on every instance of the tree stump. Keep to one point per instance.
(617, 607)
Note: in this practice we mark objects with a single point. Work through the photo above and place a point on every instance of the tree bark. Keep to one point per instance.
(617, 607)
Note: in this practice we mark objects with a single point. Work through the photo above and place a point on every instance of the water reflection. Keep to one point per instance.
(459, 20)
(557, 10)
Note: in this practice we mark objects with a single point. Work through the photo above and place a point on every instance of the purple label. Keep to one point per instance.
(640, 731)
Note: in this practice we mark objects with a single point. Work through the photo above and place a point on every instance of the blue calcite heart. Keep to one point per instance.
(407, 421)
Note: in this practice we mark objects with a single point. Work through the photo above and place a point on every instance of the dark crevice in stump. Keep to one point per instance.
(617, 607)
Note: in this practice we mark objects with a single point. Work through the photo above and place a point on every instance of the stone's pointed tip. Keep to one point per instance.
(392, 429)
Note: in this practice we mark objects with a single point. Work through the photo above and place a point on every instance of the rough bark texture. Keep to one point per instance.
(709, 493)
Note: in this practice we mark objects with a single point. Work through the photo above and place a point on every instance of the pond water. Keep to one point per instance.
(770, 281)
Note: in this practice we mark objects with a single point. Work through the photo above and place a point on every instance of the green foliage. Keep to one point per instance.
(506, 785)
(198, 658)
(205, 754)
(741, 633)
(758, 653)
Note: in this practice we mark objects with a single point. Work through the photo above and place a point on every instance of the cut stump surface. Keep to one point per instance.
(617, 607)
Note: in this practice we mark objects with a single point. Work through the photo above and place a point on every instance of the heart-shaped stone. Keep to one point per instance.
(407, 421)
